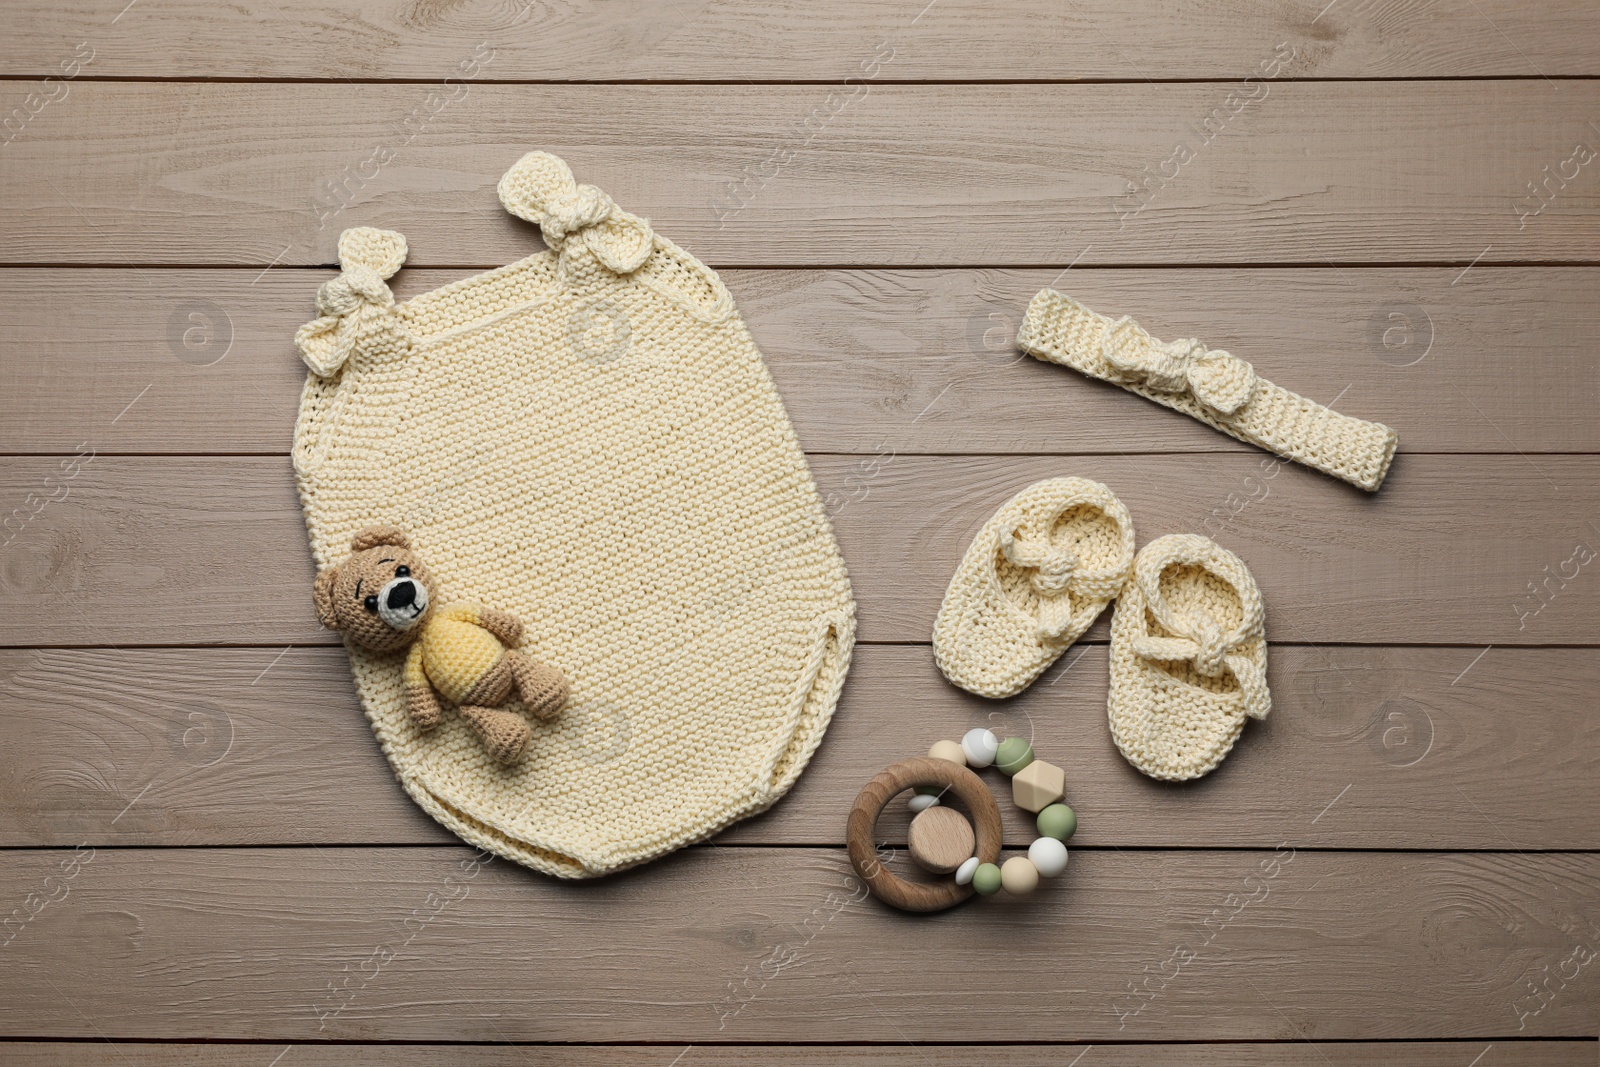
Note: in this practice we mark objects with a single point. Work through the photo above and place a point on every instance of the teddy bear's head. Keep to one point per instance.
(380, 596)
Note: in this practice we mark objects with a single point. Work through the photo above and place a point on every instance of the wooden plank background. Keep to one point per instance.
(793, 40)
(866, 358)
(205, 860)
(1533, 1053)
(971, 174)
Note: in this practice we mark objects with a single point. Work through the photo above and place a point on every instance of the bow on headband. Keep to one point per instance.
(541, 189)
(357, 306)
(1219, 380)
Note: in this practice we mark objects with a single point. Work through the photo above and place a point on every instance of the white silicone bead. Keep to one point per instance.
(980, 745)
(965, 872)
(922, 802)
(1049, 855)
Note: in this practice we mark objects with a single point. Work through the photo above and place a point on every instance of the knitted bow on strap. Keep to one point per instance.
(1219, 380)
(357, 305)
(1197, 638)
(1056, 570)
(541, 189)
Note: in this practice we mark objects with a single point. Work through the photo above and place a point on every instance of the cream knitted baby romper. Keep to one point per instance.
(589, 440)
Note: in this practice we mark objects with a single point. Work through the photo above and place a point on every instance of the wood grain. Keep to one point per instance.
(883, 186)
(928, 353)
(1414, 172)
(768, 945)
(1422, 748)
(1296, 1053)
(939, 842)
(862, 842)
(820, 40)
(1455, 549)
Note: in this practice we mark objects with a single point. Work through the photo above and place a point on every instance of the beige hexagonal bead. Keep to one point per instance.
(1038, 785)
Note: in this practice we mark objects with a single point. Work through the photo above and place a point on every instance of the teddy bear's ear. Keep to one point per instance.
(322, 595)
(373, 536)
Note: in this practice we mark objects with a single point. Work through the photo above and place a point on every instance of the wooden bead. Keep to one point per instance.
(1019, 876)
(965, 872)
(940, 840)
(1013, 754)
(979, 746)
(1048, 855)
(1038, 785)
(948, 750)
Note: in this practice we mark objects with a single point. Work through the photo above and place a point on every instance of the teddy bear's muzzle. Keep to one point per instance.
(401, 602)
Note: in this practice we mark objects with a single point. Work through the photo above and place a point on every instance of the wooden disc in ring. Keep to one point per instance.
(940, 839)
(884, 787)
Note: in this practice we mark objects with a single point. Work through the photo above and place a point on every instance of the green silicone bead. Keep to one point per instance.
(1057, 821)
(929, 790)
(986, 879)
(1014, 754)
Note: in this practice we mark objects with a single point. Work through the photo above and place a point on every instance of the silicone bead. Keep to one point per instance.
(1048, 856)
(979, 746)
(948, 750)
(1013, 754)
(1057, 821)
(1038, 785)
(929, 790)
(922, 802)
(965, 872)
(1019, 876)
(986, 879)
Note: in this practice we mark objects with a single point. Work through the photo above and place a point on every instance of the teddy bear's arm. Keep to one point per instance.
(421, 702)
(504, 625)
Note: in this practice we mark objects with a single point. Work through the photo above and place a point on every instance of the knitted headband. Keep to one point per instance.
(1219, 389)
(588, 441)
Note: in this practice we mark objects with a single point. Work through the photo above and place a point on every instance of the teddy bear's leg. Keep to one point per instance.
(423, 706)
(543, 689)
(504, 734)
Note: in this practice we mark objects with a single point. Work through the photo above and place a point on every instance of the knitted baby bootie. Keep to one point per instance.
(1038, 573)
(1188, 658)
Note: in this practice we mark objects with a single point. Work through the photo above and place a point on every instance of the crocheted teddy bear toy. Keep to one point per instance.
(383, 599)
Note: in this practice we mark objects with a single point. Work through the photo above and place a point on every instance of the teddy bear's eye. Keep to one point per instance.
(402, 571)
(371, 604)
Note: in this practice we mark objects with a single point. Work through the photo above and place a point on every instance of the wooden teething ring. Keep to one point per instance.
(875, 796)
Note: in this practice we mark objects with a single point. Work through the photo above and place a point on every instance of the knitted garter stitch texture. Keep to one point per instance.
(1213, 386)
(589, 440)
(1188, 658)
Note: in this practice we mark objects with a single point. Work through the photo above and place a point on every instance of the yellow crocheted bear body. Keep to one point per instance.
(454, 652)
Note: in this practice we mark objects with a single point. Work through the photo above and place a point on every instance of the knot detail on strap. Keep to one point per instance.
(345, 293)
(1219, 380)
(570, 212)
(1210, 648)
(1202, 642)
(1195, 636)
(1056, 572)
(541, 189)
(354, 304)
